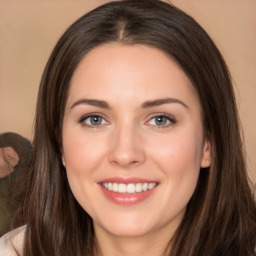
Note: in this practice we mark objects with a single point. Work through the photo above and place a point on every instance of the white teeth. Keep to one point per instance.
(110, 186)
(138, 187)
(145, 186)
(151, 185)
(115, 187)
(121, 188)
(128, 188)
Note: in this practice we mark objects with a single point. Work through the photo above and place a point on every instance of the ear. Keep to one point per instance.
(206, 155)
(11, 156)
(63, 157)
(59, 141)
(63, 160)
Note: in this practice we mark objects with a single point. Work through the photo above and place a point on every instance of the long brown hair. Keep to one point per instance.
(221, 216)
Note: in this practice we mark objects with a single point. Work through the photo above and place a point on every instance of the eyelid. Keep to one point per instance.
(170, 118)
(84, 117)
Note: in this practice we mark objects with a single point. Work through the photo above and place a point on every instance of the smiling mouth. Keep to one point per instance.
(128, 191)
(130, 188)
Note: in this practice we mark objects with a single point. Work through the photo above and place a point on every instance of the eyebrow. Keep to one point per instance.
(158, 102)
(147, 104)
(92, 102)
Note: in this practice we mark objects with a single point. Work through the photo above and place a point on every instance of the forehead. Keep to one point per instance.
(118, 70)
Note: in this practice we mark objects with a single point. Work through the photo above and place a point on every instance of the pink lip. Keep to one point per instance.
(126, 199)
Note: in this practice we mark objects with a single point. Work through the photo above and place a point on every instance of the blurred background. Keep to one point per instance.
(29, 30)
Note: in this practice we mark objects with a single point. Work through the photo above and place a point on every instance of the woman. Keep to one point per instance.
(137, 143)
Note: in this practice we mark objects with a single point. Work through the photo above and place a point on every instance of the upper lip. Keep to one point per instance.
(126, 180)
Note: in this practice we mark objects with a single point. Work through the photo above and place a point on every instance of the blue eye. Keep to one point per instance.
(93, 120)
(161, 120)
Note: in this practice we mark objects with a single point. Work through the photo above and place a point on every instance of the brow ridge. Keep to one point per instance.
(92, 102)
(147, 104)
(158, 102)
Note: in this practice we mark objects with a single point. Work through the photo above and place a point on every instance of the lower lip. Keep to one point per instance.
(127, 199)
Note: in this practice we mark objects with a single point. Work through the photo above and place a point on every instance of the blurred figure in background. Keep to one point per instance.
(15, 154)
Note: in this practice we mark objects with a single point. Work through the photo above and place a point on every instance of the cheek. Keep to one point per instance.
(82, 153)
(183, 149)
(83, 157)
(179, 158)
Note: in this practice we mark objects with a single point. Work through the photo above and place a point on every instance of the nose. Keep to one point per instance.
(126, 147)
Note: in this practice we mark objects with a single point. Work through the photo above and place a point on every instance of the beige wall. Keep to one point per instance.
(29, 30)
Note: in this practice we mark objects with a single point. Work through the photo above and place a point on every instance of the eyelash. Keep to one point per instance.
(169, 118)
(83, 119)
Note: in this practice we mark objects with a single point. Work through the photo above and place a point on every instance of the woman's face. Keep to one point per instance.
(133, 140)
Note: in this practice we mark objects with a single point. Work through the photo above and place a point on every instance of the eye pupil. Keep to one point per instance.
(96, 120)
(161, 120)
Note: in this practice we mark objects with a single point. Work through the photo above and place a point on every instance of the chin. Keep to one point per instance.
(126, 225)
(127, 231)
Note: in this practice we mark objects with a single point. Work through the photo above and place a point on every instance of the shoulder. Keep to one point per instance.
(11, 244)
